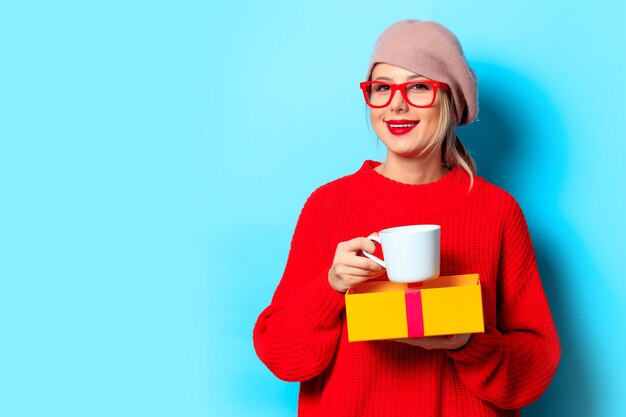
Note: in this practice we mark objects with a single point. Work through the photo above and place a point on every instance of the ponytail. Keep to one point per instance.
(453, 152)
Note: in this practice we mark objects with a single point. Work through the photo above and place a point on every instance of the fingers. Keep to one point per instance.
(428, 342)
(358, 243)
(454, 341)
(353, 280)
(343, 282)
(346, 254)
(359, 272)
(359, 262)
(342, 277)
(349, 269)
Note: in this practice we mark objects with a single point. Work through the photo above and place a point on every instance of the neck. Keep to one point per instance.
(413, 170)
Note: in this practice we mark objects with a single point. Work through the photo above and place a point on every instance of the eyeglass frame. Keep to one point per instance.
(402, 87)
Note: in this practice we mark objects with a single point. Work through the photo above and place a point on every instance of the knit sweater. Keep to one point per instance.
(302, 334)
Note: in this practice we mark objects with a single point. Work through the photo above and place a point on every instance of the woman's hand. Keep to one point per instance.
(350, 269)
(453, 341)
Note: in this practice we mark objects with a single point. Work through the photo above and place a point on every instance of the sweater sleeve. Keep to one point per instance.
(513, 362)
(297, 334)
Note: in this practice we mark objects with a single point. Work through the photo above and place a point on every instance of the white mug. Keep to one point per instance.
(411, 252)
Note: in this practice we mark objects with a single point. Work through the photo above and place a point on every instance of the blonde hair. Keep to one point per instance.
(453, 152)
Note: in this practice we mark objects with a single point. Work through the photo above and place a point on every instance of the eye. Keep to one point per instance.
(381, 87)
(420, 87)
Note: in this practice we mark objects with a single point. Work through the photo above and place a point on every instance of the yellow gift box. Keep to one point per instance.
(449, 304)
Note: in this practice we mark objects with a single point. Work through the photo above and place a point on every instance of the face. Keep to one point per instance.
(405, 142)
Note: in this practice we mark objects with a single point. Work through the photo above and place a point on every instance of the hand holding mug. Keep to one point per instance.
(350, 269)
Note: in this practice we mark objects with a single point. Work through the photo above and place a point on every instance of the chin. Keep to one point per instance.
(402, 144)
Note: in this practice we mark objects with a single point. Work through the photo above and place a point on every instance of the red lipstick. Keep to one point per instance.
(401, 127)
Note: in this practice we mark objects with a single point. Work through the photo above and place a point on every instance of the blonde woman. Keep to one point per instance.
(418, 87)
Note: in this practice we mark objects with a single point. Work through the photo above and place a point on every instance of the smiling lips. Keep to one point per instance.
(401, 127)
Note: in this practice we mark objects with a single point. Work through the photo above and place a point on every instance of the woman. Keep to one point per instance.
(419, 87)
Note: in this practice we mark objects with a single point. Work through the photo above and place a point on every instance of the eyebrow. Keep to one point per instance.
(410, 77)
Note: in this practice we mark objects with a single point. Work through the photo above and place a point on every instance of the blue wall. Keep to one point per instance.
(154, 158)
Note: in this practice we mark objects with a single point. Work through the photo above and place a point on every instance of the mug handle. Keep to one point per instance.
(376, 259)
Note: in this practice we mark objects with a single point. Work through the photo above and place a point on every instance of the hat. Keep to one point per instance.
(429, 49)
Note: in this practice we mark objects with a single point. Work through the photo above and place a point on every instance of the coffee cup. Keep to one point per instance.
(411, 252)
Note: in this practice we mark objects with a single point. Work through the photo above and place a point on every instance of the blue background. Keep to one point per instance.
(154, 158)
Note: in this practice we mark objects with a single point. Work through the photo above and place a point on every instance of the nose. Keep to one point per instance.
(398, 103)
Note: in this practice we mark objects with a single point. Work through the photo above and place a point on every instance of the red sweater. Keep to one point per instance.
(302, 334)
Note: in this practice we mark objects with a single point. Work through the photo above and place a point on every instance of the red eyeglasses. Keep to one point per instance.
(420, 94)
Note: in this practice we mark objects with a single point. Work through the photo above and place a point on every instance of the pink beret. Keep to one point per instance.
(431, 50)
